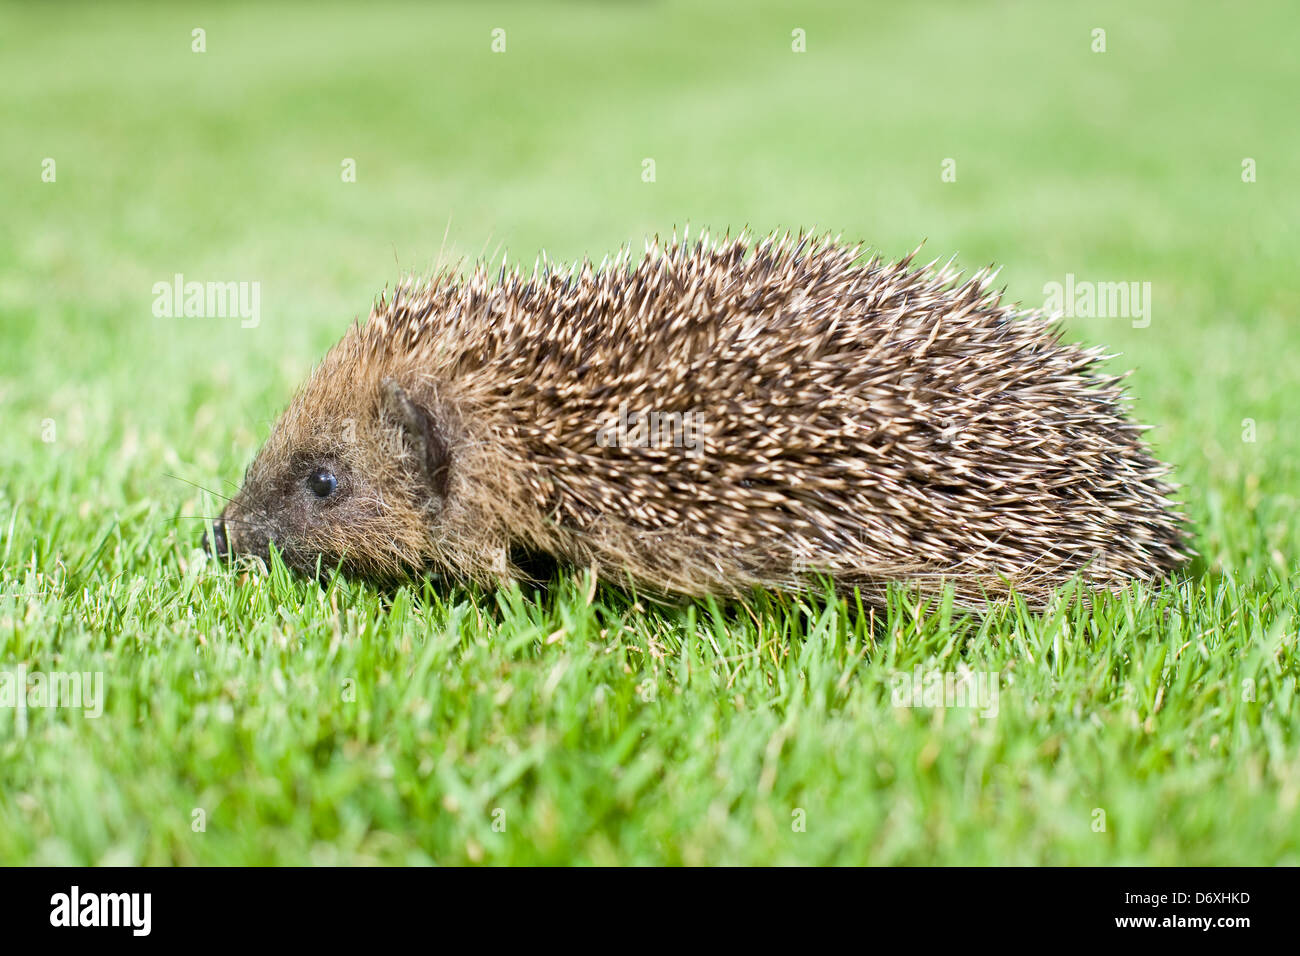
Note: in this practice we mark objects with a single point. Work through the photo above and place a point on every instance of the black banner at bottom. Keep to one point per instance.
(335, 906)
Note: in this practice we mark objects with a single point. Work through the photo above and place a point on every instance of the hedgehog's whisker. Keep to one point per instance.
(226, 498)
(194, 484)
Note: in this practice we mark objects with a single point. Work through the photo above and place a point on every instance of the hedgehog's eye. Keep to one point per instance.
(322, 482)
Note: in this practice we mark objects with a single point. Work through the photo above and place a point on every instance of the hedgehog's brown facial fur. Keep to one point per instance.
(355, 475)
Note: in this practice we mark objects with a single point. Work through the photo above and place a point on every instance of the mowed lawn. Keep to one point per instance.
(255, 717)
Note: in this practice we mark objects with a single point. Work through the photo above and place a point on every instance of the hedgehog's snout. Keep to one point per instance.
(217, 544)
(235, 533)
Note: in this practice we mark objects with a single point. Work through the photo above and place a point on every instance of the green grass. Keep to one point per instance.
(341, 724)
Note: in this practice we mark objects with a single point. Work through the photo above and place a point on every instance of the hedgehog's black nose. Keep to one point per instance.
(217, 544)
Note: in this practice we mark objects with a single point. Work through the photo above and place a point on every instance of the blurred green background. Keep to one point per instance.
(225, 165)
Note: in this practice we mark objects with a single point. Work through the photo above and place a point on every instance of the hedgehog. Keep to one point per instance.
(713, 417)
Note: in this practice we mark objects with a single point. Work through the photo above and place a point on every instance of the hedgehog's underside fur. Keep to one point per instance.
(866, 421)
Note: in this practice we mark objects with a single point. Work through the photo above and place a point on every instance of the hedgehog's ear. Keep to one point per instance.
(422, 432)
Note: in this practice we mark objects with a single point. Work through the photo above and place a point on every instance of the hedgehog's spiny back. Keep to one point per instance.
(869, 420)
